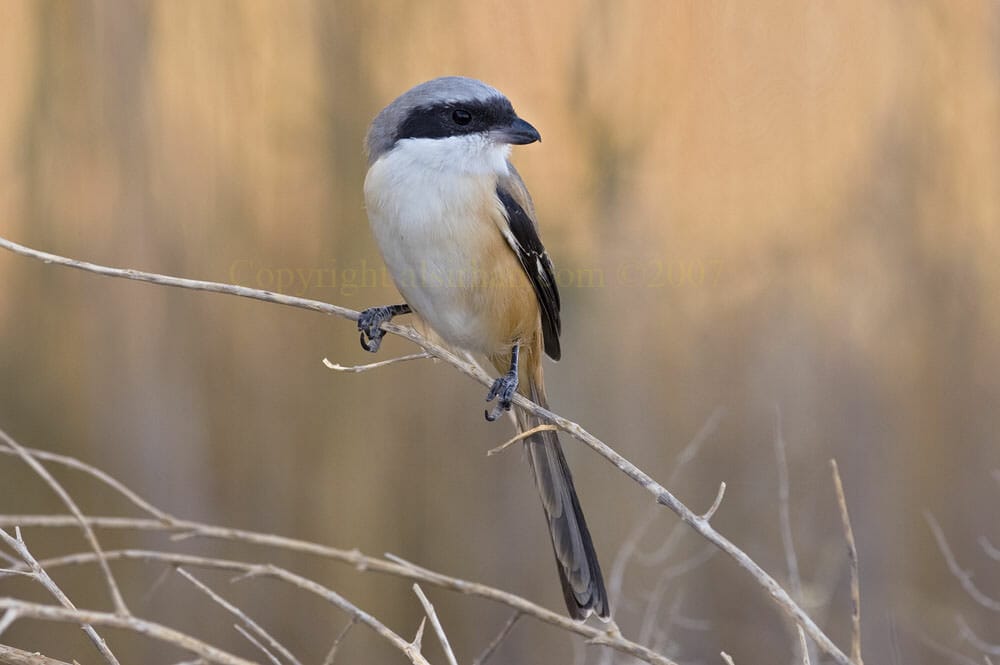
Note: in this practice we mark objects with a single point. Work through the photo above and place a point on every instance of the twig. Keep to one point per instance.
(630, 546)
(252, 625)
(36, 466)
(661, 494)
(978, 643)
(520, 437)
(7, 620)
(254, 641)
(357, 369)
(17, 544)
(964, 577)
(710, 513)
(991, 550)
(399, 567)
(73, 463)
(436, 624)
(852, 557)
(247, 570)
(418, 640)
(803, 647)
(784, 510)
(26, 610)
(12, 656)
(501, 636)
(332, 653)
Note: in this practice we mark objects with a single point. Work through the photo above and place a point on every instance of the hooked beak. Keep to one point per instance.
(518, 132)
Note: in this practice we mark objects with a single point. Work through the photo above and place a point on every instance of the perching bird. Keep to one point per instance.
(456, 227)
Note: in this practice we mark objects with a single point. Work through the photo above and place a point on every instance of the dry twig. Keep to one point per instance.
(36, 466)
(357, 369)
(250, 624)
(852, 555)
(12, 656)
(964, 577)
(26, 610)
(435, 624)
(17, 544)
(660, 493)
(501, 636)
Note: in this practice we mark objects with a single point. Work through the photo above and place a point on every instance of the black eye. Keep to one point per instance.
(461, 117)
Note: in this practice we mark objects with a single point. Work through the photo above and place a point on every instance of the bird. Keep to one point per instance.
(456, 227)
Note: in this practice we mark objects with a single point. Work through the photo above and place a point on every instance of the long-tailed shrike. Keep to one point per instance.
(456, 227)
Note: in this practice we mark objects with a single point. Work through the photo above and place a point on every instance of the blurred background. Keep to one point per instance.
(769, 219)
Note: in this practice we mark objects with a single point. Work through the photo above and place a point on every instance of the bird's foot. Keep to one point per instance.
(370, 324)
(503, 389)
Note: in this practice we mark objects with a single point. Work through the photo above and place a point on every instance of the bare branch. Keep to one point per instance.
(964, 577)
(803, 647)
(103, 477)
(332, 654)
(252, 625)
(36, 466)
(501, 636)
(26, 610)
(852, 556)
(254, 641)
(357, 369)
(992, 551)
(38, 573)
(12, 656)
(967, 634)
(520, 437)
(436, 624)
(784, 514)
(710, 513)
(660, 493)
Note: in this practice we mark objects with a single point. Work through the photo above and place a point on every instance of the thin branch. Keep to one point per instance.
(964, 577)
(332, 653)
(36, 466)
(103, 477)
(254, 641)
(978, 643)
(630, 547)
(852, 557)
(252, 625)
(991, 550)
(357, 369)
(247, 570)
(26, 610)
(520, 437)
(710, 513)
(803, 647)
(501, 636)
(773, 590)
(436, 624)
(12, 656)
(784, 512)
(38, 573)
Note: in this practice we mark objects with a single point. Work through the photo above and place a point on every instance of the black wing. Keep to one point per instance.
(536, 263)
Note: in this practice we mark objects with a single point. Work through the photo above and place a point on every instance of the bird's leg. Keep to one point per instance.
(504, 387)
(371, 320)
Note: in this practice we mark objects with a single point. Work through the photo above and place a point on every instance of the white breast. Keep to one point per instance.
(432, 206)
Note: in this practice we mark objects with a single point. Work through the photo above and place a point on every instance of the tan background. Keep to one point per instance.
(787, 205)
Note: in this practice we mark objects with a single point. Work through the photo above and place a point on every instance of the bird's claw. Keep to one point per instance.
(503, 389)
(370, 324)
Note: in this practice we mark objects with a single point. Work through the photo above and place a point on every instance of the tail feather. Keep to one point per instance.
(579, 570)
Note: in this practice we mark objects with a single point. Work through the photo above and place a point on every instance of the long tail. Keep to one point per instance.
(579, 570)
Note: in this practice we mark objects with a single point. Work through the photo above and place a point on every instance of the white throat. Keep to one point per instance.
(470, 154)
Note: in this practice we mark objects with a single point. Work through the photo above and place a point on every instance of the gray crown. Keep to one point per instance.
(447, 89)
